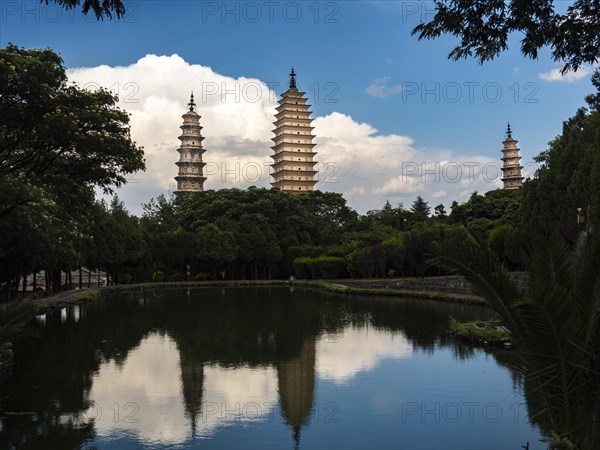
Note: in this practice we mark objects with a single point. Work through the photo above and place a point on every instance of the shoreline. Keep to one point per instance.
(76, 296)
(340, 288)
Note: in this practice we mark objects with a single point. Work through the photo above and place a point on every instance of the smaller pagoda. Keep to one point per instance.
(190, 177)
(511, 170)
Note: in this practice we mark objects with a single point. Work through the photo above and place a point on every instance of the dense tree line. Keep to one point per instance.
(255, 234)
(264, 233)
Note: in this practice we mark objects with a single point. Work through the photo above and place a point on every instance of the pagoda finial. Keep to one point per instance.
(293, 79)
(191, 104)
(508, 131)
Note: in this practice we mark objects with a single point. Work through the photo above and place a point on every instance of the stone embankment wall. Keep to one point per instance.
(452, 284)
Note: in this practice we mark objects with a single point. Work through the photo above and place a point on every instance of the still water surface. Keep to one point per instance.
(260, 368)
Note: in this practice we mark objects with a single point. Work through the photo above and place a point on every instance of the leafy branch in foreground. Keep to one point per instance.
(554, 323)
(100, 8)
(484, 26)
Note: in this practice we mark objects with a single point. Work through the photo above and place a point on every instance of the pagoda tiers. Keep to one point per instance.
(511, 171)
(293, 164)
(190, 177)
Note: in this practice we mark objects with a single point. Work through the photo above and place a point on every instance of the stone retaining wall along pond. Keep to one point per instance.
(450, 284)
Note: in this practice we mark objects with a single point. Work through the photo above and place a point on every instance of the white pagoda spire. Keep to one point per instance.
(293, 164)
(190, 177)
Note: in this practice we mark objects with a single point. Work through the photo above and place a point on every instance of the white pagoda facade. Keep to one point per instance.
(293, 168)
(190, 176)
(511, 169)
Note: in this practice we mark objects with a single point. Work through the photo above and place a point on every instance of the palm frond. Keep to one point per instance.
(13, 318)
(474, 261)
(554, 323)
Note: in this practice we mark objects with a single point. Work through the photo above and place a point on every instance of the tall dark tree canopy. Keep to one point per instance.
(100, 8)
(484, 26)
(568, 177)
(49, 128)
(58, 143)
(57, 139)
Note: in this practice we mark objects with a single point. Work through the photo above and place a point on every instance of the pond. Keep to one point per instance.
(263, 367)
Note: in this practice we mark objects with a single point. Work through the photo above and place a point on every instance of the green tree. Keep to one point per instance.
(420, 208)
(168, 243)
(123, 240)
(568, 177)
(257, 244)
(57, 144)
(272, 253)
(394, 249)
(440, 211)
(216, 246)
(388, 216)
(271, 228)
(57, 133)
(506, 243)
(481, 227)
(159, 215)
(370, 262)
(498, 205)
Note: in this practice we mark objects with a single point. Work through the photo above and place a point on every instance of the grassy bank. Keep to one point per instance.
(340, 288)
(486, 333)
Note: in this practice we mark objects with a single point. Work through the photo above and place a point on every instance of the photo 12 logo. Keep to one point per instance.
(126, 92)
(36, 11)
(254, 91)
(251, 411)
(270, 12)
(421, 11)
(468, 92)
(457, 172)
(465, 412)
(254, 172)
(125, 412)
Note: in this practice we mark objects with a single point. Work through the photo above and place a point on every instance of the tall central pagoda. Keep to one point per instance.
(293, 164)
(190, 177)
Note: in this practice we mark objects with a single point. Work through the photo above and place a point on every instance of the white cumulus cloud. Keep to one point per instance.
(568, 77)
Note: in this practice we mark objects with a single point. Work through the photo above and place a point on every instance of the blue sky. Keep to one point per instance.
(356, 58)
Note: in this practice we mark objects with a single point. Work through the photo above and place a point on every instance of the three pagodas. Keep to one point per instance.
(293, 168)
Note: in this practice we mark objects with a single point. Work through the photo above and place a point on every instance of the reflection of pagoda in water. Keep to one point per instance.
(295, 378)
(192, 381)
